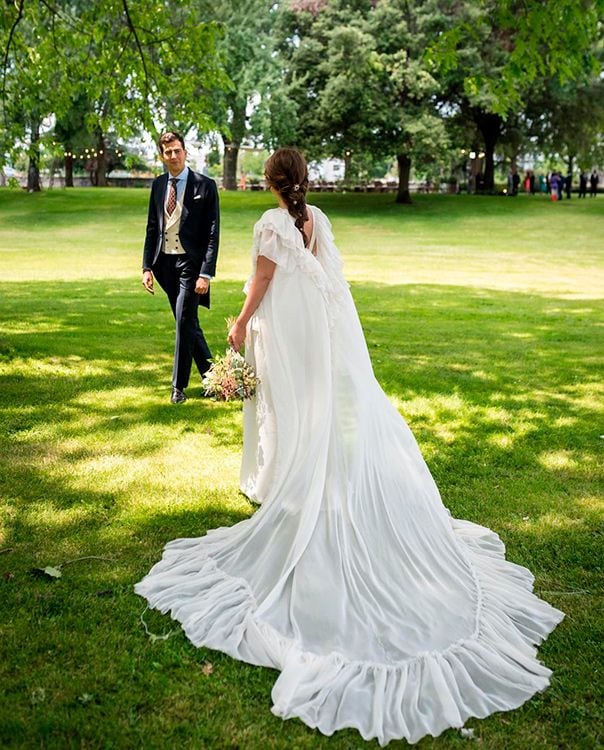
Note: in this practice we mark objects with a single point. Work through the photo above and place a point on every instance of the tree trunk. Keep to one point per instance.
(347, 167)
(69, 171)
(101, 162)
(490, 127)
(33, 170)
(236, 125)
(229, 165)
(404, 171)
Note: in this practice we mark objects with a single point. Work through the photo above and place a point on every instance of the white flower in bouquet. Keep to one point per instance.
(230, 378)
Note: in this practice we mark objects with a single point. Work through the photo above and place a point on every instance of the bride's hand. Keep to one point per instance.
(236, 336)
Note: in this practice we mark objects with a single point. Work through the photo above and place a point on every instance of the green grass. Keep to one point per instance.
(484, 321)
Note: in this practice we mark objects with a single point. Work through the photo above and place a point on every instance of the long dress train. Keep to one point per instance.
(381, 611)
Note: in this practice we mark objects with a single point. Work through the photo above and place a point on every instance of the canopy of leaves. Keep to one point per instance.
(501, 47)
(357, 76)
(123, 57)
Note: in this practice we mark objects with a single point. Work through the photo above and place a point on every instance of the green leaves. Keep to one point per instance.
(511, 45)
(360, 79)
(121, 56)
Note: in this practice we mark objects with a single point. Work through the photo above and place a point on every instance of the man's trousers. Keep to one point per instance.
(177, 278)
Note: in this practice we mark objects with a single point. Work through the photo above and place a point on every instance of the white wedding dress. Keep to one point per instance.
(381, 611)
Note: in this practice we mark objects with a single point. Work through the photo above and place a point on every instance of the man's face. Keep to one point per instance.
(173, 157)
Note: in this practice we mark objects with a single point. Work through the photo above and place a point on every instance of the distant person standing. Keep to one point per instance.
(527, 182)
(510, 183)
(532, 184)
(568, 183)
(553, 184)
(560, 185)
(593, 184)
(583, 184)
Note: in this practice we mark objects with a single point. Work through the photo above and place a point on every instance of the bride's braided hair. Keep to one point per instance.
(286, 172)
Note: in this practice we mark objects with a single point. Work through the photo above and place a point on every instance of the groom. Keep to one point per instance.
(181, 246)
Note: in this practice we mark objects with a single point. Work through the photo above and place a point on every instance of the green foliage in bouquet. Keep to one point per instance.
(230, 378)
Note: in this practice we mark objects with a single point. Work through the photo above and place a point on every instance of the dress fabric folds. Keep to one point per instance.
(381, 611)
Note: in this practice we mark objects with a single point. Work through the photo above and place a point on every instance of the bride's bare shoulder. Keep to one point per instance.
(319, 214)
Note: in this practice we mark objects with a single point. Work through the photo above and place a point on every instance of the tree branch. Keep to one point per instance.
(56, 12)
(8, 46)
(138, 45)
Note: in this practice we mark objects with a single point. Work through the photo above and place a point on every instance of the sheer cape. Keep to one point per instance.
(381, 611)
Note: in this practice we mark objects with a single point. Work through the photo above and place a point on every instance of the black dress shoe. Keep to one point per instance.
(177, 396)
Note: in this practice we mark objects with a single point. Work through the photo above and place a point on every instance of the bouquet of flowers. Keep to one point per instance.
(230, 378)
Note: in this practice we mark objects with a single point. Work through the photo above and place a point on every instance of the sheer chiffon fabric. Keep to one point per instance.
(381, 611)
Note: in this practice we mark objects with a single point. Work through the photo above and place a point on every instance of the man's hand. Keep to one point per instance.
(148, 281)
(202, 285)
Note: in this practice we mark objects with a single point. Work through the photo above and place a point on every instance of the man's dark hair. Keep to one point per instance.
(169, 137)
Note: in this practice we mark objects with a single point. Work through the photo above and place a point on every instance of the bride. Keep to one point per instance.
(381, 611)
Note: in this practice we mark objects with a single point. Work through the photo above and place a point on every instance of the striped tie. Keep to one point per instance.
(172, 197)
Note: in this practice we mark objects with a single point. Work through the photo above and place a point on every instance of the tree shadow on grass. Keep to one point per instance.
(499, 383)
(501, 391)
(498, 388)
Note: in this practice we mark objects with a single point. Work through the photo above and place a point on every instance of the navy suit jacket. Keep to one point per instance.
(199, 224)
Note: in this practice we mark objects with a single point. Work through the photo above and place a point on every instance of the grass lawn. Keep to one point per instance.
(484, 319)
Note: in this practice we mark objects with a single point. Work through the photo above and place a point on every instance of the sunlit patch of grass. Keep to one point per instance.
(559, 521)
(561, 459)
(486, 341)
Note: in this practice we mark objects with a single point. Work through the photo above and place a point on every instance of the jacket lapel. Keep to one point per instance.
(161, 199)
(188, 196)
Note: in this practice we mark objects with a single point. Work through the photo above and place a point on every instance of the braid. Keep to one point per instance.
(286, 172)
(295, 200)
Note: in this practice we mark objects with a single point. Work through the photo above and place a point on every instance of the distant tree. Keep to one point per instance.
(71, 132)
(567, 120)
(495, 52)
(29, 81)
(252, 163)
(245, 49)
(123, 57)
(356, 73)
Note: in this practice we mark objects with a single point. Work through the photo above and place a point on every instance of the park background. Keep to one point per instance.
(482, 312)
(429, 92)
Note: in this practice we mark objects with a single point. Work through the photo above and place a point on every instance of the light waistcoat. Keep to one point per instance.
(171, 242)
